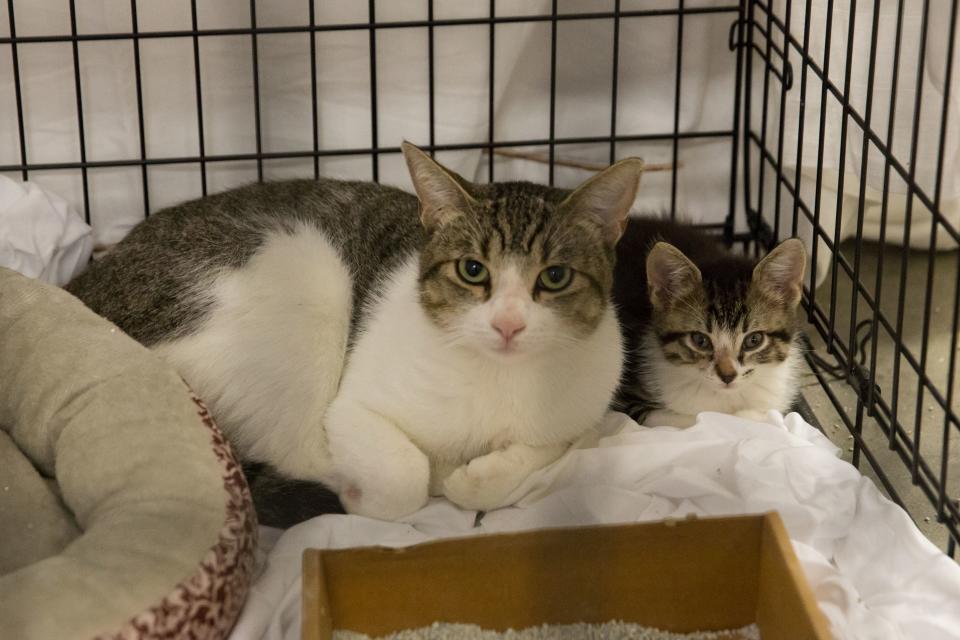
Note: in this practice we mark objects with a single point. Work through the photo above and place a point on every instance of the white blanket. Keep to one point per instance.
(41, 235)
(873, 572)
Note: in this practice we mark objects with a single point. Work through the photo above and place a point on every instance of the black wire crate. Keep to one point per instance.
(761, 119)
(850, 145)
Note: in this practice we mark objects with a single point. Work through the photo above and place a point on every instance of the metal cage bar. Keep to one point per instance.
(202, 158)
(374, 139)
(78, 89)
(677, 88)
(17, 89)
(865, 155)
(314, 120)
(553, 93)
(366, 26)
(614, 81)
(491, 89)
(256, 89)
(140, 124)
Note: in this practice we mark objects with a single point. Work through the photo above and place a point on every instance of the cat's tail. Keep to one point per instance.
(283, 502)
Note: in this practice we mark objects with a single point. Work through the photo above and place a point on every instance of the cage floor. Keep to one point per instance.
(939, 343)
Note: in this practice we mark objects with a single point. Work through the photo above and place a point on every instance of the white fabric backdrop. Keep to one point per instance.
(932, 85)
(584, 48)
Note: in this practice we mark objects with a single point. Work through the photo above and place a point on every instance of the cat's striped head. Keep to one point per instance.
(512, 268)
(730, 320)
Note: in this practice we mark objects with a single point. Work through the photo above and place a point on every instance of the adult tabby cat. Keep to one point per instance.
(706, 330)
(347, 334)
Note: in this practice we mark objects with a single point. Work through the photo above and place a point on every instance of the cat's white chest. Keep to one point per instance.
(455, 404)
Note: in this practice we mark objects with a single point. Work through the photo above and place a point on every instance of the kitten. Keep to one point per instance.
(385, 345)
(705, 330)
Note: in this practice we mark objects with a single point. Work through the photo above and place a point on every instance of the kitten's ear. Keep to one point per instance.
(609, 196)
(670, 274)
(442, 193)
(779, 276)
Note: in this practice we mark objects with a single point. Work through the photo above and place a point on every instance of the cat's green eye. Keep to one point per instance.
(700, 340)
(555, 278)
(753, 340)
(472, 272)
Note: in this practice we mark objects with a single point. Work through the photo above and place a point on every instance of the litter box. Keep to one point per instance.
(680, 575)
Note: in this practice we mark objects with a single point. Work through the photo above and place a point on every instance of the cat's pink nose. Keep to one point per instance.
(508, 326)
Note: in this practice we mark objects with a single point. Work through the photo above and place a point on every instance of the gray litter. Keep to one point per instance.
(578, 631)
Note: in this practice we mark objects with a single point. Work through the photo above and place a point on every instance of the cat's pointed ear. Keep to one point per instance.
(779, 276)
(670, 274)
(443, 194)
(608, 196)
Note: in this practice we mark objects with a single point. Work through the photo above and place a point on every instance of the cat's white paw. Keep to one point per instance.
(388, 488)
(374, 500)
(667, 418)
(482, 484)
(380, 472)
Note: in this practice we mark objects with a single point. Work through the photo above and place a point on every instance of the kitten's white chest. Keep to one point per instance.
(685, 390)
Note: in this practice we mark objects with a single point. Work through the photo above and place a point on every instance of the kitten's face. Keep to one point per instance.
(729, 325)
(513, 268)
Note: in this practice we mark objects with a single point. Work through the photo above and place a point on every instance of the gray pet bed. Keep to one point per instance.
(122, 510)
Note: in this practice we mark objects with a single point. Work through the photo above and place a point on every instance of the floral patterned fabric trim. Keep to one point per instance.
(206, 605)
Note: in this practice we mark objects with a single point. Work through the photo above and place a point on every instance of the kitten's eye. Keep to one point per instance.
(472, 272)
(753, 340)
(700, 340)
(555, 278)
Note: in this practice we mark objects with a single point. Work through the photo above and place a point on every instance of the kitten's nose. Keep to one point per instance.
(508, 325)
(726, 372)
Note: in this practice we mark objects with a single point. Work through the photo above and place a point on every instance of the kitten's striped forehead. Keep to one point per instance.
(726, 308)
(726, 305)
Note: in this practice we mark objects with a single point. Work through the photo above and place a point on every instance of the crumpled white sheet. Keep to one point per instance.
(41, 236)
(874, 574)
